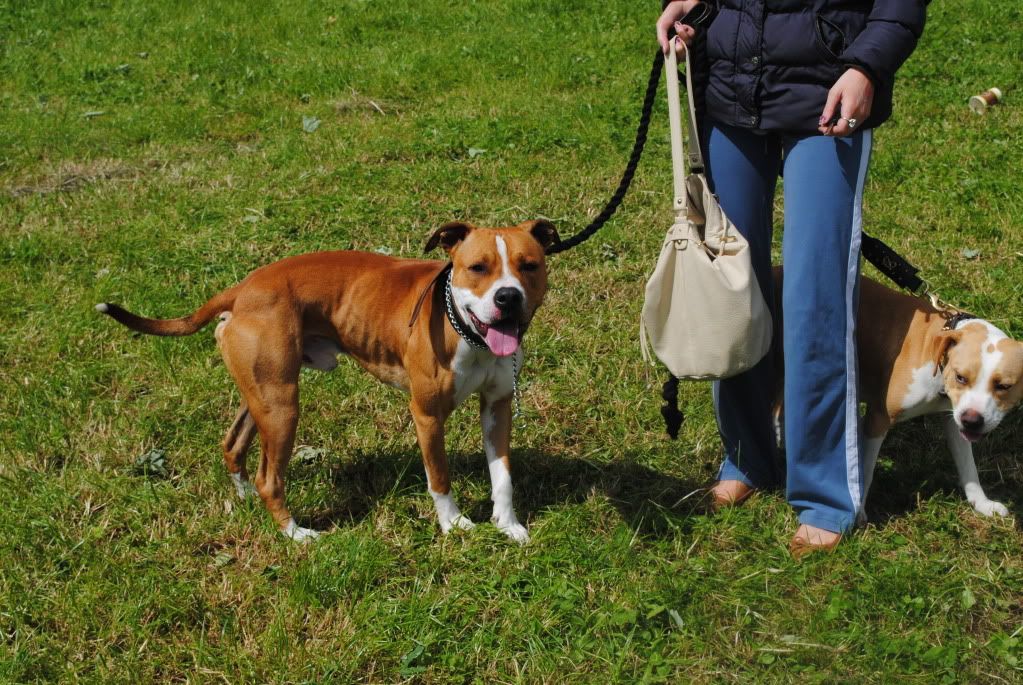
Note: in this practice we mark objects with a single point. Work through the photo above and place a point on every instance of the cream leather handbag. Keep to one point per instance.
(703, 315)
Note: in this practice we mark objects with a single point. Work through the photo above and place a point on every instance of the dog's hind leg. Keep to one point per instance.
(276, 417)
(264, 361)
(236, 446)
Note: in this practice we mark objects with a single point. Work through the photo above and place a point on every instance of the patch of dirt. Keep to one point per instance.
(362, 103)
(73, 176)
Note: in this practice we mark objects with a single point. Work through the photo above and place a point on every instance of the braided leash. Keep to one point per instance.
(630, 169)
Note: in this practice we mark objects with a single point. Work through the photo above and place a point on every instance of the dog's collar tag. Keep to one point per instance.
(456, 321)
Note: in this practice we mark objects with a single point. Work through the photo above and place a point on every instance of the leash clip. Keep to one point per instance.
(947, 310)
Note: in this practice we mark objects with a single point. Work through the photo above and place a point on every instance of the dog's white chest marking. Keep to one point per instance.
(479, 370)
(924, 393)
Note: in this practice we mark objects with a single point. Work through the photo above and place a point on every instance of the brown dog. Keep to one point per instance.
(915, 359)
(441, 334)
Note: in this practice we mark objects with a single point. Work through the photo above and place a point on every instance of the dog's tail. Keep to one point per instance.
(186, 325)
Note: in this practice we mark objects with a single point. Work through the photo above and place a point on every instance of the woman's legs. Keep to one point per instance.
(742, 167)
(823, 189)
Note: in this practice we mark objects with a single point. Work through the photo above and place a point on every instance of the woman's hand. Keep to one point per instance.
(669, 18)
(850, 98)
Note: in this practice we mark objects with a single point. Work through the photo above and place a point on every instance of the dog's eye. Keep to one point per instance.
(1002, 387)
(479, 268)
(529, 267)
(961, 380)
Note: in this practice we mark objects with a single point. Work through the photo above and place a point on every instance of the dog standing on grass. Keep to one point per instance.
(439, 332)
(915, 359)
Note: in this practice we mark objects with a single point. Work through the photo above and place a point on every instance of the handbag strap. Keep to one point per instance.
(675, 123)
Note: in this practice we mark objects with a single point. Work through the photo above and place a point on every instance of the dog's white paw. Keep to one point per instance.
(516, 531)
(458, 521)
(243, 486)
(989, 507)
(294, 532)
(448, 514)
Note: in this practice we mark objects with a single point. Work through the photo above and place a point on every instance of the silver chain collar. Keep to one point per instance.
(456, 322)
(516, 398)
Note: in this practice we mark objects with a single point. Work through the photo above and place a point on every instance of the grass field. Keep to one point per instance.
(154, 153)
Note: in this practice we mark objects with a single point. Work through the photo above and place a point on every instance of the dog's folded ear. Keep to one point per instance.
(544, 232)
(940, 346)
(448, 235)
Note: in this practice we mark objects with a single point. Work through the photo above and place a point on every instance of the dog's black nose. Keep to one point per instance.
(972, 420)
(508, 299)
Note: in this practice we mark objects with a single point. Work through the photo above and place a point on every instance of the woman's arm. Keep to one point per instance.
(887, 40)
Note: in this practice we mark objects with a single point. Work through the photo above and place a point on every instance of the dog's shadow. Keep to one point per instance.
(650, 502)
(915, 464)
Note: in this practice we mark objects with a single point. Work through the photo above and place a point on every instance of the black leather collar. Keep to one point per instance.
(953, 321)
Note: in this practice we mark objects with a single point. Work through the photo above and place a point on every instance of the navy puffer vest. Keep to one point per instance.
(772, 62)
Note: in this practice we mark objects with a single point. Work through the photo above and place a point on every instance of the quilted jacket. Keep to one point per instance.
(772, 62)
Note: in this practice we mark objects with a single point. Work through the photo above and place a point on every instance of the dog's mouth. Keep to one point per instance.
(971, 435)
(502, 337)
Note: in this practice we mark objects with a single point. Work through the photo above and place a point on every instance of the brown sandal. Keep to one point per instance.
(729, 493)
(809, 539)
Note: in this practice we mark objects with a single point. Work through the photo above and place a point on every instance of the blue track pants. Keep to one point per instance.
(823, 190)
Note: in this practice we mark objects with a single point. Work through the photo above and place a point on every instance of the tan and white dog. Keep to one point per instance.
(914, 360)
(440, 334)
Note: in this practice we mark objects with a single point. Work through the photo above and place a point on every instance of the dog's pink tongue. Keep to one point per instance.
(503, 338)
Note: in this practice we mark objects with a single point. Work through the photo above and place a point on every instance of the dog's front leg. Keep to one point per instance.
(430, 433)
(495, 419)
(962, 452)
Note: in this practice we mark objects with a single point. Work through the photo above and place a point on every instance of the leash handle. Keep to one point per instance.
(892, 264)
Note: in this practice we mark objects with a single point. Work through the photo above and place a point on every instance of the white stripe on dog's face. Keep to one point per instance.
(482, 305)
(508, 278)
(488, 263)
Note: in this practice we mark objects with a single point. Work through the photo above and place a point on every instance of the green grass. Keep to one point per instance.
(153, 153)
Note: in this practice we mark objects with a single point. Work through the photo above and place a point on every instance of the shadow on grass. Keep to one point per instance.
(651, 502)
(917, 465)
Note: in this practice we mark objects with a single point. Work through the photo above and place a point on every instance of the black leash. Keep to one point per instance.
(874, 250)
(630, 169)
(892, 264)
